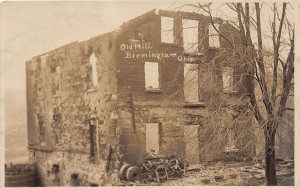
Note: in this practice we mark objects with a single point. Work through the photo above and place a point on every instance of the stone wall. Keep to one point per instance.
(68, 114)
(70, 169)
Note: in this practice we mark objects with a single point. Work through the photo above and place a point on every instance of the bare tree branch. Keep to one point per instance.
(287, 80)
(276, 46)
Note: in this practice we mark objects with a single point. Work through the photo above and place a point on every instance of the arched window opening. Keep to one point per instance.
(93, 62)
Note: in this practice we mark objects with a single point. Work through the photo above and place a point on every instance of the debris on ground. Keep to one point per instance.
(155, 169)
(235, 174)
(167, 170)
(194, 168)
(159, 168)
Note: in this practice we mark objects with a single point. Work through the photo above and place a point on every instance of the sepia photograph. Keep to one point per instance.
(149, 93)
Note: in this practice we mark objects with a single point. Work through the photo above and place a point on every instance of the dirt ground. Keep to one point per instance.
(237, 173)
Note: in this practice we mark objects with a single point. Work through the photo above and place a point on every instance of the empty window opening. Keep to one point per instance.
(93, 146)
(191, 83)
(93, 62)
(151, 75)
(74, 180)
(192, 150)
(55, 175)
(55, 168)
(190, 35)
(152, 137)
(227, 78)
(214, 40)
(167, 29)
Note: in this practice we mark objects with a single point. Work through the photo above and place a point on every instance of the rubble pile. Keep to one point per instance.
(155, 169)
(285, 167)
(236, 174)
(159, 168)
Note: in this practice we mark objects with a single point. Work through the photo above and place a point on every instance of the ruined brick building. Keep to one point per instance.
(148, 87)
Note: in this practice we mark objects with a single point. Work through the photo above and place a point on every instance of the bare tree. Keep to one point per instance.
(273, 92)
